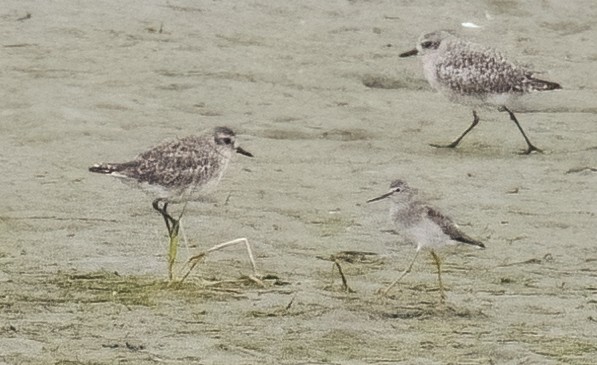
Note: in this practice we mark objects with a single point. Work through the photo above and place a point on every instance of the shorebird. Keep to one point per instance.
(423, 225)
(178, 171)
(471, 74)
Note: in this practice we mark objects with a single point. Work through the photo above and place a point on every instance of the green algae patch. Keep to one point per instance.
(129, 290)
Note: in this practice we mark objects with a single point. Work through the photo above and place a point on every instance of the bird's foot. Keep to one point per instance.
(530, 150)
(451, 145)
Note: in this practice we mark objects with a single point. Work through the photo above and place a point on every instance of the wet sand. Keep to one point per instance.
(317, 93)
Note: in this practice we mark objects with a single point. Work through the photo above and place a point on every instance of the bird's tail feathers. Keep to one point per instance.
(543, 85)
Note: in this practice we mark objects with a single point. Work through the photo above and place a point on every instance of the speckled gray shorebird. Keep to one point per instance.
(475, 75)
(179, 170)
(423, 225)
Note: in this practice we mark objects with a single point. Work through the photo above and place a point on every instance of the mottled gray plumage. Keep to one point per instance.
(422, 224)
(472, 74)
(459, 68)
(181, 169)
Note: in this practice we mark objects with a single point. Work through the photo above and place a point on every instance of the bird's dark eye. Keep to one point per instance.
(226, 140)
(427, 44)
(397, 190)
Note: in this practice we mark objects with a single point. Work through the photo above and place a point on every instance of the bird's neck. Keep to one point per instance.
(402, 213)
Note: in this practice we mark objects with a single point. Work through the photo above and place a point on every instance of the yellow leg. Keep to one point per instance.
(438, 263)
(386, 290)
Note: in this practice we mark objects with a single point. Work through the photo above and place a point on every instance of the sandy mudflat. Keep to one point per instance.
(316, 91)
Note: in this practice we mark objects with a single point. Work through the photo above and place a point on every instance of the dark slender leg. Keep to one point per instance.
(530, 148)
(457, 141)
(344, 281)
(171, 224)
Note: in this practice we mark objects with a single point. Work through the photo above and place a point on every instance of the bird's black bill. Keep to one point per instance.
(243, 152)
(380, 197)
(412, 52)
